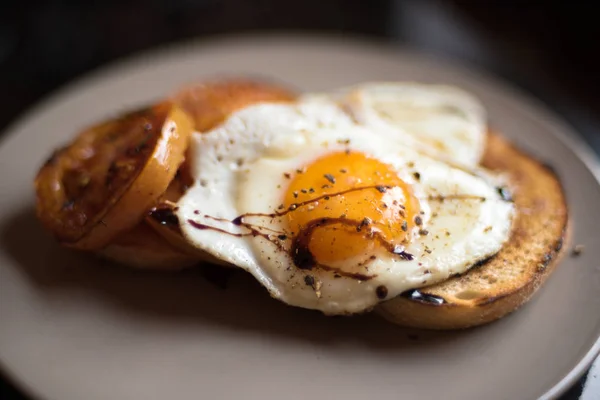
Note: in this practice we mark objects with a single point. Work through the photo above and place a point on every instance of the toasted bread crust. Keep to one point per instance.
(510, 278)
(209, 103)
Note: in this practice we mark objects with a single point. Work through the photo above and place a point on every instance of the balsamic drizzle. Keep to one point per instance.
(299, 250)
(417, 295)
(164, 216)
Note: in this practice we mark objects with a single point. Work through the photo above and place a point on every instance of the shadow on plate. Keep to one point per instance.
(188, 297)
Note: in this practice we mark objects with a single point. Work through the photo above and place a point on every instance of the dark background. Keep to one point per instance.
(550, 49)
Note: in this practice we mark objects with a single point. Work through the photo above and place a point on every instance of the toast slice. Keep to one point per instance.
(143, 248)
(507, 280)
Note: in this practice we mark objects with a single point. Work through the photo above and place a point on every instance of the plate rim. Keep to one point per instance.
(503, 88)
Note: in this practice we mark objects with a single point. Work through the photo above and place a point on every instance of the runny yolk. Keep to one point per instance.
(361, 202)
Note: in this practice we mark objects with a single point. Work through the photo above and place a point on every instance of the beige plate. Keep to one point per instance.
(71, 328)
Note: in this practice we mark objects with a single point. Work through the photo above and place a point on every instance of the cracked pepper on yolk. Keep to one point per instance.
(371, 204)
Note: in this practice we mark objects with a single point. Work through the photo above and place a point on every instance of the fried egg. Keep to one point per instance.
(332, 215)
(448, 120)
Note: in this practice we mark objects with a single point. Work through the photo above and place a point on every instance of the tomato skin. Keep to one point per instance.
(103, 182)
(97, 193)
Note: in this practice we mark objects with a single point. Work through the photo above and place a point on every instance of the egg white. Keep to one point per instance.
(450, 121)
(239, 168)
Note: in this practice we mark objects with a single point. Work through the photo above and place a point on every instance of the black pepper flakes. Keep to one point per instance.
(293, 207)
(418, 220)
(577, 250)
(417, 176)
(282, 237)
(504, 193)
(343, 170)
(295, 194)
(404, 226)
(287, 175)
(311, 190)
(381, 188)
(423, 232)
(309, 280)
(330, 178)
(381, 292)
(365, 222)
(304, 191)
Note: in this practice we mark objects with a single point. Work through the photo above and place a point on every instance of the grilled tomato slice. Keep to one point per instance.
(105, 181)
(162, 216)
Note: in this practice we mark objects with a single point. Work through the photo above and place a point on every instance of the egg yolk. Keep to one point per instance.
(350, 206)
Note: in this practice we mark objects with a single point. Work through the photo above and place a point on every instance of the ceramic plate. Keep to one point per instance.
(75, 328)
